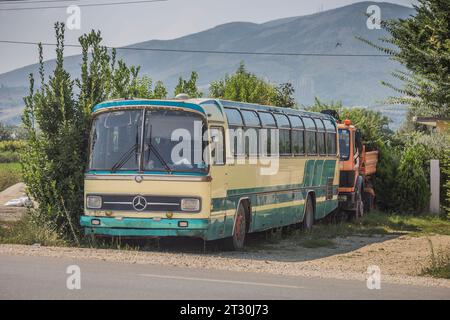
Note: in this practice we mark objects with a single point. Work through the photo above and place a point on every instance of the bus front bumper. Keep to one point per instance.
(144, 227)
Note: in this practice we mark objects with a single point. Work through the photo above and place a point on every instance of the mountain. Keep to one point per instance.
(353, 80)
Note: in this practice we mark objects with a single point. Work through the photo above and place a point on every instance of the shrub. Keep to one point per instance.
(11, 146)
(412, 186)
(385, 181)
(56, 120)
(445, 182)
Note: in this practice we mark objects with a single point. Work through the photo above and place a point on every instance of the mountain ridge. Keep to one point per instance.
(352, 80)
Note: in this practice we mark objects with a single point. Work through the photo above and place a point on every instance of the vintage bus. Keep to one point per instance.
(134, 187)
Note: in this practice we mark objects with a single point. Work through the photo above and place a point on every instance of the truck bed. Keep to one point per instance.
(370, 162)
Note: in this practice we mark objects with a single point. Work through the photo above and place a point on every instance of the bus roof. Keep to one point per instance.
(260, 107)
(196, 104)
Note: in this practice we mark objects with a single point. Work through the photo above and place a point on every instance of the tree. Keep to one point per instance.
(56, 122)
(6, 132)
(247, 87)
(412, 188)
(373, 125)
(284, 96)
(52, 164)
(188, 87)
(421, 44)
(445, 178)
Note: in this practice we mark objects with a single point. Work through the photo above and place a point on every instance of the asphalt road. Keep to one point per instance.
(31, 277)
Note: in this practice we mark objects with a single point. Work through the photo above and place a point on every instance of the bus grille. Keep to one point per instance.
(150, 204)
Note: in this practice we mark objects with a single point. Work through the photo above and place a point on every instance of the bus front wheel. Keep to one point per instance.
(236, 242)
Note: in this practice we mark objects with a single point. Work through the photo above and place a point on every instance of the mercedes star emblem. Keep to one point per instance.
(139, 203)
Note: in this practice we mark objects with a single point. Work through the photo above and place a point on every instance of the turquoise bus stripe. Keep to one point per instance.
(128, 103)
(267, 196)
(316, 176)
(175, 173)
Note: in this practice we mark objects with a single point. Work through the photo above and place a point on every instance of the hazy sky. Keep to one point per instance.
(126, 24)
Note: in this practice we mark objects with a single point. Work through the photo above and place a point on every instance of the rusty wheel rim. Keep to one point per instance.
(240, 229)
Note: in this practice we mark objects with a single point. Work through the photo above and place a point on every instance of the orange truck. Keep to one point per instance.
(357, 168)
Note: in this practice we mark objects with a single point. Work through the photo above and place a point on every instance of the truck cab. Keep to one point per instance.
(349, 162)
(357, 167)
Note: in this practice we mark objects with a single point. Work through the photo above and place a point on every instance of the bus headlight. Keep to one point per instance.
(94, 202)
(190, 204)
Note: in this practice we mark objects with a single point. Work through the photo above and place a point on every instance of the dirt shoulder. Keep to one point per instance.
(12, 213)
(400, 257)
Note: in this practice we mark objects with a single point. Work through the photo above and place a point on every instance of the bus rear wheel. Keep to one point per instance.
(236, 242)
(308, 221)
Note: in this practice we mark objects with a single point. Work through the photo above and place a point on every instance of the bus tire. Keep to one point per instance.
(308, 220)
(236, 242)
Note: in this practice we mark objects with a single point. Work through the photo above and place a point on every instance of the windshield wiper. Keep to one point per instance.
(157, 154)
(124, 158)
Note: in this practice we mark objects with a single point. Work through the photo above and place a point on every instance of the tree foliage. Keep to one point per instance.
(412, 189)
(445, 178)
(373, 125)
(284, 96)
(247, 87)
(57, 121)
(52, 160)
(188, 87)
(6, 132)
(421, 43)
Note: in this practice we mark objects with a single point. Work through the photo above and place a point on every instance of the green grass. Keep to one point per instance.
(382, 223)
(374, 223)
(9, 174)
(439, 266)
(414, 225)
(27, 232)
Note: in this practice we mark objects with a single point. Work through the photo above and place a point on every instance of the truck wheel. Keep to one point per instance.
(368, 202)
(359, 205)
(308, 221)
(236, 242)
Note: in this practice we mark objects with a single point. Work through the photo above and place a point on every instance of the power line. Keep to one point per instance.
(5, 2)
(307, 54)
(82, 5)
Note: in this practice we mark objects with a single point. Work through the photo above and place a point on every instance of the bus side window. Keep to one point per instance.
(217, 146)
(320, 137)
(298, 136)
(235, 132)
(331, 137)
(298, 142)
(284, 127)
(251, 132)
(268, 124)
(310, 132)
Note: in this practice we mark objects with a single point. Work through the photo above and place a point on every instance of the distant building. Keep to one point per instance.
(439, 124)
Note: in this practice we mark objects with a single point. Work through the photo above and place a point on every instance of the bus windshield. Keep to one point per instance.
(344, 144)
(170, 141)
